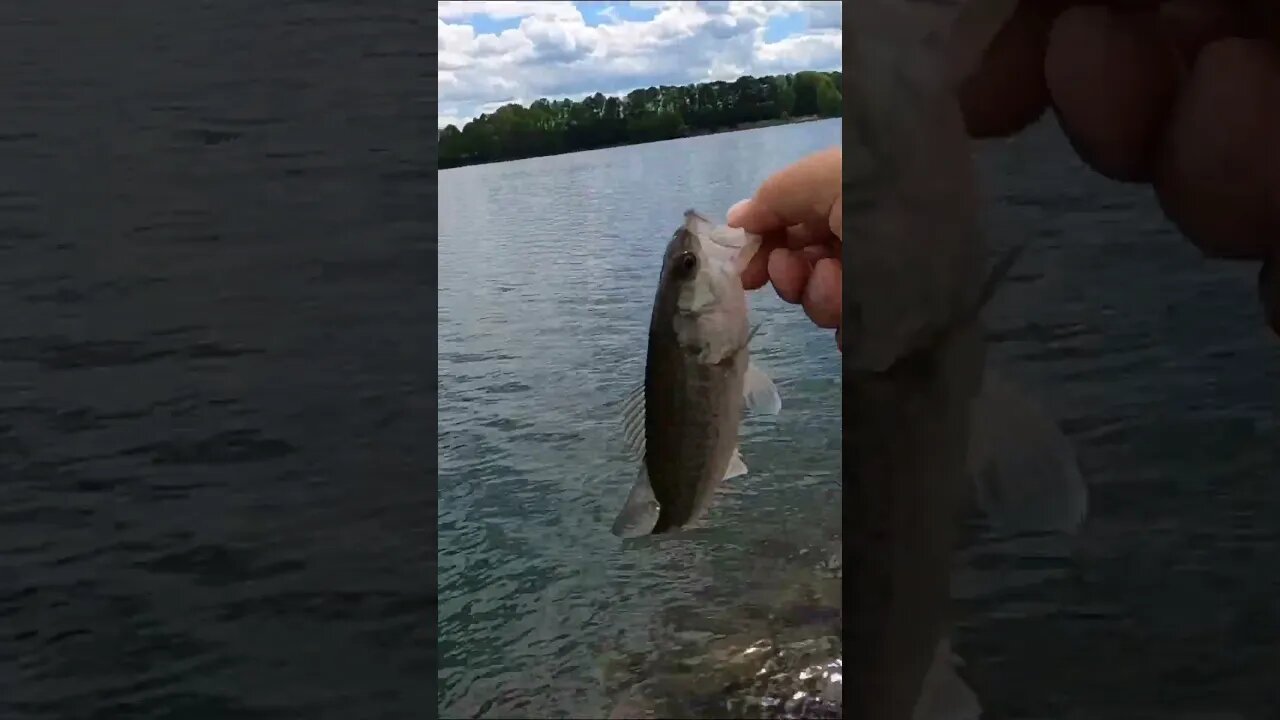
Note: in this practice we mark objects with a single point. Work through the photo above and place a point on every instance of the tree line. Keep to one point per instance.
(549, 127)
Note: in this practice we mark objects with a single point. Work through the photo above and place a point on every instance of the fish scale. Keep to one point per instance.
(698, 378)
(693, 435)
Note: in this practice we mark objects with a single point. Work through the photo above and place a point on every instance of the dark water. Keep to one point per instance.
(1160, 367)
(547, 272)
(215, 306)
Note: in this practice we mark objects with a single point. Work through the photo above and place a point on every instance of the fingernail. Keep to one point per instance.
(735, 212)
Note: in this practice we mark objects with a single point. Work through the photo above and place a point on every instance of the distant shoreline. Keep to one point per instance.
(755, 125)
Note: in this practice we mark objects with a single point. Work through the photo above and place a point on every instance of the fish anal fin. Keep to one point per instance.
(639, 513)
(736, 466)
(944, 694)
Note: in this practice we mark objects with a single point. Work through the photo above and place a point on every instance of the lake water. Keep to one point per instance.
(1162, 370)
(214, 360)
(547, 273)
(1155, 360)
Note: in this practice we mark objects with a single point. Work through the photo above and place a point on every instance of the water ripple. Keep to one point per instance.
(211, 504)
(535, 592)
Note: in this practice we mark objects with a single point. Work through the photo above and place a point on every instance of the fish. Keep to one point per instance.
(930, 429)
(681, 424)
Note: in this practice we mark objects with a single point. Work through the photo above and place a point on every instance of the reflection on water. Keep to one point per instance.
(547, 271)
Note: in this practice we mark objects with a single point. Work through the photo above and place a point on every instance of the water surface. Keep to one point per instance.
(1155, 360)
(548, 268)
(1161, 369)
(213, 371)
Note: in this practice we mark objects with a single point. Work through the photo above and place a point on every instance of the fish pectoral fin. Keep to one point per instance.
(759, 392)
(736, 465)
(1025, 471)
(639, 513)
(633, 410)
(944, 694)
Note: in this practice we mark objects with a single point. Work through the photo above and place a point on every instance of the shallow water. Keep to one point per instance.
(547, 273)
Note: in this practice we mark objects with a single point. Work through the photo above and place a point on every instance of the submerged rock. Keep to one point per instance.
(775, 655)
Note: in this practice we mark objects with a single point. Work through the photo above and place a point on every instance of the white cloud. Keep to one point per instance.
(502, 9)
(553, 52)
(823, 15)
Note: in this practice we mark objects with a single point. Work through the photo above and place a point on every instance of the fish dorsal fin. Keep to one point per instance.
(633, 423)
(1025, 470)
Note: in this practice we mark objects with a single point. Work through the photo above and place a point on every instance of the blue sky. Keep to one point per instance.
(492, 53)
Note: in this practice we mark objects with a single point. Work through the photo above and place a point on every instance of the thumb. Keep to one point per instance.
(805, 193)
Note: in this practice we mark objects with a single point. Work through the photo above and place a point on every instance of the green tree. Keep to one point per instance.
(806, 89)
(829, 99)
(547, 127)
(784, 96)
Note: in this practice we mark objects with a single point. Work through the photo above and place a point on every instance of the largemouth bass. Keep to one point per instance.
(681, 425)
(928, 429)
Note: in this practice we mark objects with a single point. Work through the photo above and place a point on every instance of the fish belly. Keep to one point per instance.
(692, 437)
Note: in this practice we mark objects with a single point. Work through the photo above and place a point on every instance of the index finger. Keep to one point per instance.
(807, 192)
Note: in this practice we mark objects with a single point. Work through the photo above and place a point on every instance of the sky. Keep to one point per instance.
(494, 53)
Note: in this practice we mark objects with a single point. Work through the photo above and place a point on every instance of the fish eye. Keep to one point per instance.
(687, 262)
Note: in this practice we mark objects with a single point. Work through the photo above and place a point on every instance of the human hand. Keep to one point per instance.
(798, 212)
(1181, 94)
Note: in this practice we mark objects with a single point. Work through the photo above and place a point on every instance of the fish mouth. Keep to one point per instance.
(743, 244)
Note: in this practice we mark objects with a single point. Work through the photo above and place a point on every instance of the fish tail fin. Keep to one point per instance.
(639, 513)
(1025, 471)
(945, 695)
